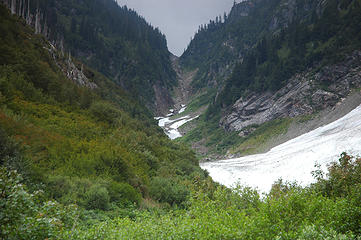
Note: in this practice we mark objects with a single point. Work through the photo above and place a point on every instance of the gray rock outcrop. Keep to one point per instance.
(306, 93)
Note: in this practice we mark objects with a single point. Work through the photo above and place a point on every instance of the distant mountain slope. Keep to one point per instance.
(286, 33)
(114, 40)
(88, 141)
(272, 59)
(324, 36)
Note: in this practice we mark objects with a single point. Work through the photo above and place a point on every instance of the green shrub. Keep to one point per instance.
(341, 178)
(27, 215)
(343, 183)
(104, 111)
(123, 194)
(10, 155)
(59, 186)
(168, 190)
(7, 147)
(314, 233)
(97, 197)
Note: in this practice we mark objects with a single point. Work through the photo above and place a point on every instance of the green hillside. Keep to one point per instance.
(260, 44)
(79, 141)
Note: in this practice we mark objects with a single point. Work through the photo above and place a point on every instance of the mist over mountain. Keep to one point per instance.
(178, 20)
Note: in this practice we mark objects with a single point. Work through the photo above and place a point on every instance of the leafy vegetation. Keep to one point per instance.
(289, 211)
(97, 148)
(26, 215)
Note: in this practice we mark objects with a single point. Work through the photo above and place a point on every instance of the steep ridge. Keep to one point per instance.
(113, 40)
(78, 133)
(273, 60)
(219, 45)
(182, 92)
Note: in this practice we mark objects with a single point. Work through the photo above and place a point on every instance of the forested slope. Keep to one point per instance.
(331, 31)
(274, 58)
(95, 146)
(113, 40)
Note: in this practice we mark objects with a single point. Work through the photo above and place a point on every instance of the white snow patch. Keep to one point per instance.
(173, 134)
(172, 129)
(182, 109)
(163, 121)
(293, 160)
(181, 122)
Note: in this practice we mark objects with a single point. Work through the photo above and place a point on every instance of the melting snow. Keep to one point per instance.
(171, 126)
(294, 160)
(182, 109)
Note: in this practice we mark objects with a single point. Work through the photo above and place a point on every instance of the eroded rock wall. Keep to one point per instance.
(306, 93)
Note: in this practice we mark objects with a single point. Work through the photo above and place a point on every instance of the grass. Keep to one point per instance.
(217, 140)
(221, 142)
(200, 101)
(257, 141)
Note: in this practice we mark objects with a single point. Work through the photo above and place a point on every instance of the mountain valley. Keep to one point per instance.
(105, 134)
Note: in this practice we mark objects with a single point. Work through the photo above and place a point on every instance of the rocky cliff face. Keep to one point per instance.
(289, 11)
(306, 93)
(163, 100)
(21, 8)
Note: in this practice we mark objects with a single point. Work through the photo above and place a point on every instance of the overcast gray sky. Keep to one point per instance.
(178, 19)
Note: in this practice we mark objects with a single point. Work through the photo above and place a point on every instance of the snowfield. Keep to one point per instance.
(293, 160)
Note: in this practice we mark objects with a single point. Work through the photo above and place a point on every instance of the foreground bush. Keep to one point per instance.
(26, 215)
(288, 212)
(168, 190)
(300, 215)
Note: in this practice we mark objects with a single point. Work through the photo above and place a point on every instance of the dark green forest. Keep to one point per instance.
(113, 40)
(276, 58)
(270, 57)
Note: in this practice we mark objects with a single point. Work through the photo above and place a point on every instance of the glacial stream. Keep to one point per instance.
(293, 160)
